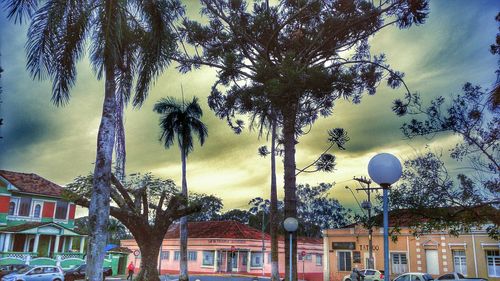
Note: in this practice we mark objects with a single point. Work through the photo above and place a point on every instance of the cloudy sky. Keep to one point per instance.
(59, 142)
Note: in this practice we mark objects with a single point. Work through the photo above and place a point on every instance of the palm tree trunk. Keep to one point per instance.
(183, 276)
(289, 121)
(275, 274)
(99, 204)
(120, 152)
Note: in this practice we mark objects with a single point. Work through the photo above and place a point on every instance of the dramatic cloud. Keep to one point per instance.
(59, 143)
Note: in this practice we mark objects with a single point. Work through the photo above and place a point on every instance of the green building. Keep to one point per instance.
(37, 224)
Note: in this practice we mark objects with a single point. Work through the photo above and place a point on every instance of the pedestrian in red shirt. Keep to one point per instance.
(131, 268)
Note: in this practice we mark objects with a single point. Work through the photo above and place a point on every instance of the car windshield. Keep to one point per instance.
(24, 269)
(460, 276)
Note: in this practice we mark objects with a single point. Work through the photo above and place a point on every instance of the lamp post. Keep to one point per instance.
(385, 169)
(291, 224)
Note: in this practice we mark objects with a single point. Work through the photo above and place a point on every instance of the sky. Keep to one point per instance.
(59, 143)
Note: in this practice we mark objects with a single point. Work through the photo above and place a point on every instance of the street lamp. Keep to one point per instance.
(291, 224)
(385, 169)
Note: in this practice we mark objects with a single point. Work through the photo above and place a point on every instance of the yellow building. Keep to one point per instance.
(473, 254)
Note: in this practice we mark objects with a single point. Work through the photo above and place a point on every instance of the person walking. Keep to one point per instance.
(131, 269)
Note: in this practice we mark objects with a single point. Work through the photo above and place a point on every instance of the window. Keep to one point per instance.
(493, 260)
(256, 259)
(12, 207)
(37, 211)
(192, 255)
(369, 272)
(50, 270)
(177, 255)
(61, 210)
(208, 258)
(38, 270)
(405, 277)
(24, 207)
(344, 261)
(447, 277)
(164, 255)
(319, 259)
(269, 257)
(399, 263)
(460, 262)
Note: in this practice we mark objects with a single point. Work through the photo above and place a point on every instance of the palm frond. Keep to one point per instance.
(167, 105)
(156, 45)
(56, 38)
(181, 122)
(193, 108)
(20, 9)
(200, 129)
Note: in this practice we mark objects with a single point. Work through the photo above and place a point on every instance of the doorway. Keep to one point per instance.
(432, 262)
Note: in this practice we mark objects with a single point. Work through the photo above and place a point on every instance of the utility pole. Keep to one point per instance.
(368, 206)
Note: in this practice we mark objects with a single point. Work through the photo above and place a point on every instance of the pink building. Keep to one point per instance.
(220, 247)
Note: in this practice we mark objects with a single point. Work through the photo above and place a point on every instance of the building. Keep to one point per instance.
(472, 254)
(37, 225)
(229, 247)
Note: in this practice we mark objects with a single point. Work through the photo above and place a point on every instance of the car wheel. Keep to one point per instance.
(348, 279)
(57, 279)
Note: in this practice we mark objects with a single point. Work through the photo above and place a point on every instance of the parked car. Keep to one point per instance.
(370, 275)
(414, 276)
(36, 273)
(79, 272)
(9, 268)
(458, 277)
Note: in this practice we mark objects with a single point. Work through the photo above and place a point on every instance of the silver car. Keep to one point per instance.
(36, 273)
(414, 276)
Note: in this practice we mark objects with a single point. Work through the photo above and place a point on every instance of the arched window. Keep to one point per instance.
(37, 211)
(12, 208)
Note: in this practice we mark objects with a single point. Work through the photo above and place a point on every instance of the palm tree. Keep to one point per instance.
(266, 118)
(181, 121)
(129, 40)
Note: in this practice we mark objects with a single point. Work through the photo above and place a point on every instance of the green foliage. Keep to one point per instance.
(428, 199)
(133, 38)
(210, 204)
(292, 53)
(181, 120)
(316, 210)
(116, 230)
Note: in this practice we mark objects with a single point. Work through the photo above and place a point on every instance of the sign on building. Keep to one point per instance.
(344, 245)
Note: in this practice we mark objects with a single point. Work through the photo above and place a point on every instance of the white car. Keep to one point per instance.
(370, 275)
(414, 276)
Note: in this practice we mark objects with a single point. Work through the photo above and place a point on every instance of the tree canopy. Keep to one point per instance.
(146, 205)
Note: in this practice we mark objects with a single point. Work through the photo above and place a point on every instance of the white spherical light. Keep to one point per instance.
(291, 224)
(385, 169)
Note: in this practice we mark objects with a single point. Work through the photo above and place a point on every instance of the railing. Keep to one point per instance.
(65, 260)
(68, 255)
(17, 255)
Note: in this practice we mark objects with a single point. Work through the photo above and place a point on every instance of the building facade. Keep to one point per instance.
(229, 247)
(36, 223)
(472, 254)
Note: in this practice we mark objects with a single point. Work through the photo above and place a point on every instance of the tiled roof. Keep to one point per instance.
(32, 183)
(22, 227)
(119, 249)
(31, 225)
(411, 217)
(217, 229)
(227, 230)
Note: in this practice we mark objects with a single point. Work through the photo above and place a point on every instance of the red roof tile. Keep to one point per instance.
(32, 183)
(217, 229)
(226, 230)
